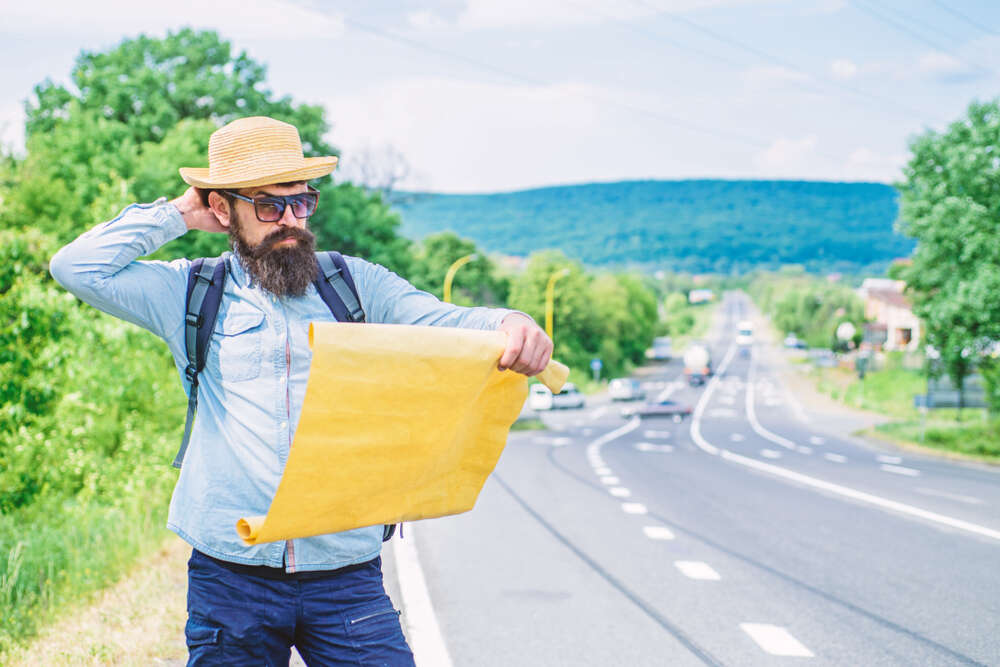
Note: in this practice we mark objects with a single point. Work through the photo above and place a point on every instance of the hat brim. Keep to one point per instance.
(312, 167)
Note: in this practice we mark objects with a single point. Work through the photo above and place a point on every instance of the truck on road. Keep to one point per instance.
(697, 364)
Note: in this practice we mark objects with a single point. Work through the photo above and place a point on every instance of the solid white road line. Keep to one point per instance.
(619, 492)
(776, 640)
(900, 470)
(658, 532)
(969, 500)
(610, 480)
(634, 508)
(861, 496)
(695, 569)
(752, 412)
(805, 480)
(770, 454)
(882, 458)
(836, 458)
(422, 630)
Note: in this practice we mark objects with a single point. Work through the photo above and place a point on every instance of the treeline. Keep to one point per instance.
(724, 227)
(91, 408)
(808, 306)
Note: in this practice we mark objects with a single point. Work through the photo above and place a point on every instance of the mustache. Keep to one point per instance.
(301, 235)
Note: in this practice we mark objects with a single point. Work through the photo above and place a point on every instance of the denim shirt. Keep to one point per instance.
(254, 382)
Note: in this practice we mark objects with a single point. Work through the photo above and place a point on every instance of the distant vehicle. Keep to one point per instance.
(662, 349)
(541, 398)
(696, 296)
(793, 342)
(697, 364)
(662, 408)
(822, 358)
(626, 389)
(744, 333)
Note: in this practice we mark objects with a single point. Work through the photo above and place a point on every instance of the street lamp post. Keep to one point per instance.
(452, 270)
(550, 298)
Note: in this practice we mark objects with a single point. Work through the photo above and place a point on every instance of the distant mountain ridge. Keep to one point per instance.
(691, 225)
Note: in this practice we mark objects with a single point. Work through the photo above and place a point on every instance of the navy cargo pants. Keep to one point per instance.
(238, 615)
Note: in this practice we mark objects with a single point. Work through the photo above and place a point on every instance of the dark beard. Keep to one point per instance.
(281, 270)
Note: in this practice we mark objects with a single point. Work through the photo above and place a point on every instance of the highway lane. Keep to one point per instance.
(604, 541)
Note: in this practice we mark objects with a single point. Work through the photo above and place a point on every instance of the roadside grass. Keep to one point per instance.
(890, 391)
(703, 315)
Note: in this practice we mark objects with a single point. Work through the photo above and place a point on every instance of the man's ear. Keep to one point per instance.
(220, 207)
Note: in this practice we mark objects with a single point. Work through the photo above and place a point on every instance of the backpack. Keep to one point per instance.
(206, 279)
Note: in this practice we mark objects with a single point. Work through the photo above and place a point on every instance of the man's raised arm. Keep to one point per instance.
(100, 266)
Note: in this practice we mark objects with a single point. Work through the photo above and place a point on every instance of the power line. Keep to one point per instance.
(963, 17)
(909, 111)
(607, 101)
(901, 27)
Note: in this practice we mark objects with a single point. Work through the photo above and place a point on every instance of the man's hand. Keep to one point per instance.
(528, 348)
(196, 215)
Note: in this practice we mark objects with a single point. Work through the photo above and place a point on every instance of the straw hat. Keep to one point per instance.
(256, 151)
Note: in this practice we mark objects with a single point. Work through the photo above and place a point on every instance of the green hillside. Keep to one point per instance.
(697, 225)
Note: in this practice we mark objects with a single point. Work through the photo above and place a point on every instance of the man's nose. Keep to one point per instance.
(288, 218)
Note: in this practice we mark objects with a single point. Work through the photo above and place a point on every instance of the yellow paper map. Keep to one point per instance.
(399, 423)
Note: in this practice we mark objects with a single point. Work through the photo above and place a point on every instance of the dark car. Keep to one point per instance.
(662, 408)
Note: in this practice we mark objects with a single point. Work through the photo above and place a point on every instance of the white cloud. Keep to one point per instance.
(263, 19)
(945, 68)
(843, 68)
(785, 155)
(865, 164)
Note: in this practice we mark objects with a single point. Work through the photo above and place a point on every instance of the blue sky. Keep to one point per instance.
(488, 95)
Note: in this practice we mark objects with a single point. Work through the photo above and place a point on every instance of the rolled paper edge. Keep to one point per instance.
(554, 376)
(248, 528)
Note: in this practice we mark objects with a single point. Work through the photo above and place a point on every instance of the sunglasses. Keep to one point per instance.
(271, 208)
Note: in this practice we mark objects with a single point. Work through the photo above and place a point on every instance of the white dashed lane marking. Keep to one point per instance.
(816, 440)
(836, 458)
(634, 508)
(695, 569)
(802, 449)
(658, 532)
(610, 480)
(619, 492)
(776, 640)
(602, 470)
(656, 435)
(650, 447)
(770, 454)
(900, 470)
(882, 458)
(737, 437)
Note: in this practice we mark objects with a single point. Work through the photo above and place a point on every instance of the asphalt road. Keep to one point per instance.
(752, 534)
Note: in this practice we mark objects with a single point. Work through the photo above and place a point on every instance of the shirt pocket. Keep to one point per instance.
(237, 341)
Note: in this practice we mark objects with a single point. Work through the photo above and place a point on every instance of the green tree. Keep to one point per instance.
(475, 283)
(950, 201)
(148, 106)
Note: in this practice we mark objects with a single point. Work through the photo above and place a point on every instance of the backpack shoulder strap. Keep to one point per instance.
(206, 280)
(336, 286)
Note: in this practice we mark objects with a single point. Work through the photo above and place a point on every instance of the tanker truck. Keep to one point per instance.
(697, 364)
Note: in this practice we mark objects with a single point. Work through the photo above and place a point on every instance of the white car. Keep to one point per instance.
(541, 398)
(625, 389)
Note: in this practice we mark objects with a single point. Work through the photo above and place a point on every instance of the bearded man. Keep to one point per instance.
(247, 605)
